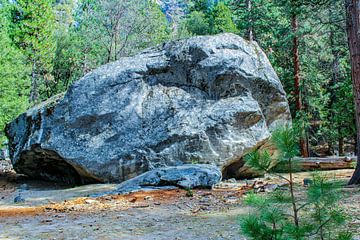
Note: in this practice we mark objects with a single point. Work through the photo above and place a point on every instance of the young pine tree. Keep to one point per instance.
(285, 214)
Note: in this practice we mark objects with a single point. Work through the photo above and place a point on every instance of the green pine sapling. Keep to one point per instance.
(287, 214)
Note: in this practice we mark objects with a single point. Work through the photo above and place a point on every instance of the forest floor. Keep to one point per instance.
(59, 212)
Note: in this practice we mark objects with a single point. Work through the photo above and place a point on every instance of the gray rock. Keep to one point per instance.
(307, 182)
(4, 154)
(23, 187)
(187, 176)
(19, 199)
(206, 100)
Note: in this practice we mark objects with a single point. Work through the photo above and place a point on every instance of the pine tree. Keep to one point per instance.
(197, 23)
(32, 30)
(262, 19)
(14, 81)
(222, 19)
(210, 17)
(285, 215)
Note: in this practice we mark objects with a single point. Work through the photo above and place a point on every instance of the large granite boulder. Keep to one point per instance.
(205, 100)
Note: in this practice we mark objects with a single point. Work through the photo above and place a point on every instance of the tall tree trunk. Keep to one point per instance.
(294, 25)
(334, 80)
(108, 59)
(341, 146)
(34, 91)
(333, 98)
(330, 149)
(296, 61)
(353, 30)
(250, 33)
(355, 143)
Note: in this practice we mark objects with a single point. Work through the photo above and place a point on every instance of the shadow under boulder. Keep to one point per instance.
(50, 166)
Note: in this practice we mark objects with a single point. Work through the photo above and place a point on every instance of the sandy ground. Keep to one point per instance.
(151, 215)
(59, 212)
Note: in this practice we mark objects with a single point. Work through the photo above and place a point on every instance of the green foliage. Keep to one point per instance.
(251, 226)
(321, 218)
(328, 113)
(282, 214)
(197, 23)
(222, 19)
(268, 221)
(68, 62)
(67, 65)
(104, 32)
(344, 236)
(266, 18)
(259, 161)
(14, 81)
(120, 28)
(189, 192)
(325, 212)
(32, 30)
(202, 5)
(254, 200)
(47, 45)
(210, 18)
(326, 75)
(286, 141)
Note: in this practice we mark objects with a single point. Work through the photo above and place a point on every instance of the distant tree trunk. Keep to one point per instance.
(296, 59)
(333, 98)
(330, 150)
(341, 146)
(34, 91)
(353, 30)
(355, 143)
(334, 80)
(294, 24)
(250, 33)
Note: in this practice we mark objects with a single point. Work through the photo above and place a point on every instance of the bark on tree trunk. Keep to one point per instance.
(294, 24)
(353, 30)
(34, 91)
(328, 163)
(296, 59)
(250, 28)
(330, 150)
(341, 146)
(355, 144)
(334, 80)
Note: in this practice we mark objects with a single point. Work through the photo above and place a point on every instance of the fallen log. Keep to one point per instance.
(327, 163)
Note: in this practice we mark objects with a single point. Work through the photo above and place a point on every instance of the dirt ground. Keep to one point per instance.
(59, 212)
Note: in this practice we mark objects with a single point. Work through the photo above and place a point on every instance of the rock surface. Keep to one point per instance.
(205, 100)
(187, 176)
